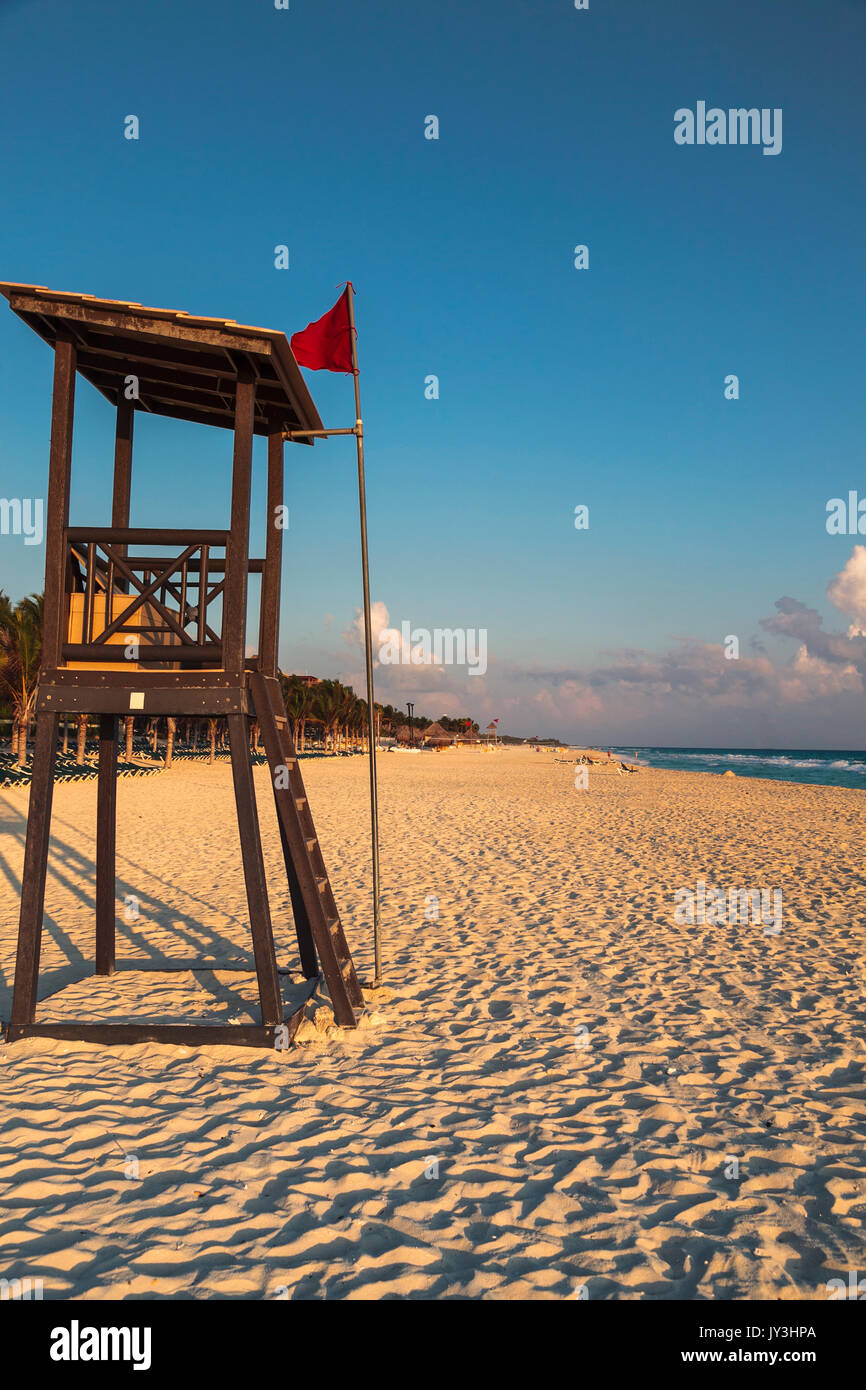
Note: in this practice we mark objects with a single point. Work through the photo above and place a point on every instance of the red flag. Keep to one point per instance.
(326, 345)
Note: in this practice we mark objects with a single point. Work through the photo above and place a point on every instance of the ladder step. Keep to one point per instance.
(319, 924)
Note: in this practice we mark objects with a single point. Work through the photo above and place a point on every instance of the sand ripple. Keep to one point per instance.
(560, 1087)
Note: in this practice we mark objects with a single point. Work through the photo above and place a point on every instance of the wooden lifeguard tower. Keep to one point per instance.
(129, 630)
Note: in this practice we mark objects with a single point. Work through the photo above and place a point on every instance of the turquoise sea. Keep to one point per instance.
(843, 767)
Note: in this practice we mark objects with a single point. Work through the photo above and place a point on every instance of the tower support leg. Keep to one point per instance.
(35, 872)
(106, 835)
(254, 871)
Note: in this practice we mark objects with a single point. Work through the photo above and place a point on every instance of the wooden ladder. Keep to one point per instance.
(317, 920)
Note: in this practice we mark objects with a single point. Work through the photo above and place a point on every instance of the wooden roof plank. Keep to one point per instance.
(114, 375)
(133, 335)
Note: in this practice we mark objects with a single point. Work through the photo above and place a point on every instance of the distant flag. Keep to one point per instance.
(326, 345)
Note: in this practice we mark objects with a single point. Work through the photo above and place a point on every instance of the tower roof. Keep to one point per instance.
(187, 366)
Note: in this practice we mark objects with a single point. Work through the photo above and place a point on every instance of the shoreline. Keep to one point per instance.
(142, 765)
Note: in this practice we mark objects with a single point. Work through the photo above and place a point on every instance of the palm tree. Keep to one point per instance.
(130, 726)
(82, 738)
(6, 621)
(20, 654)
(344, 703)
(348, 714)
(171, 726)
(356, 718)
(299, 705)
(328, 708)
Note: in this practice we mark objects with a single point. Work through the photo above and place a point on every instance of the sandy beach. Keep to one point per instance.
(560, 1089)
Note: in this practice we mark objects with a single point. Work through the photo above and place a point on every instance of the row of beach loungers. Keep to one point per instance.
(68, 770)
(586, 761)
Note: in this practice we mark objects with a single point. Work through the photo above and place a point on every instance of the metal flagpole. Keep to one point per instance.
(368, 637)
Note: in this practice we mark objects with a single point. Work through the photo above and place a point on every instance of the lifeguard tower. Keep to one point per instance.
(154, 621)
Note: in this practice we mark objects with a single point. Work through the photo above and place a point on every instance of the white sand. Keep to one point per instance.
(312, 1174)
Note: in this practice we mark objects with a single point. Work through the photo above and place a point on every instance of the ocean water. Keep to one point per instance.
(842, 767)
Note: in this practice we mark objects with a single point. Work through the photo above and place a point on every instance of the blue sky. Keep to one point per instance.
(557, 386)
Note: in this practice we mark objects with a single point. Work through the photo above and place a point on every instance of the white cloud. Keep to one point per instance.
(354, 633)
(810, 677)
(687, 693)
(847, 591)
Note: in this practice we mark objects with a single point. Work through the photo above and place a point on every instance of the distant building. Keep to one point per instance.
(437, 737)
